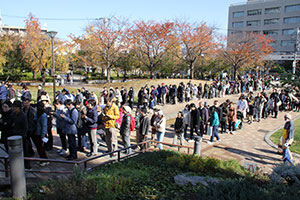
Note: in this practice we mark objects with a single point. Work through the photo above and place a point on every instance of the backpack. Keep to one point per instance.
(132, 123)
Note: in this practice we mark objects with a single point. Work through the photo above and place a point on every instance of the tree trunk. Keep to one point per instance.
(108, 74)
(43, 76)
(234, 72)
(191, 70)
(34, 74)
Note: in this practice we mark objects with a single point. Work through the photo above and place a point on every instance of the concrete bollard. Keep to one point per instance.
(17, 171)
(197, 145)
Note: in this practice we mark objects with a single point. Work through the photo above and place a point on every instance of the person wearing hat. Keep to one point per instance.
(160, 125)
(288, 129)
(124, 129)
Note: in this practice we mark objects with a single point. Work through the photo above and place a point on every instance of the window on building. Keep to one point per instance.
(254, 12)
(273, 43)
(236, 32)
(290, 31)
(292, 8)
(288, 43)
(253, 23)
(272, 10)
(238, 14)
(271, 33)
(291, 20)
(237, 24)
(271, 21)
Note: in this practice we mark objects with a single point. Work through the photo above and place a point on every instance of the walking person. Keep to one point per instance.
(70, 120)
(125, 128)
(160, 125)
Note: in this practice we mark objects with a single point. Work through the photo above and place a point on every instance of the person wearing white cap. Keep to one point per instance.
(288, 130)
(125, 128)
(160, 125)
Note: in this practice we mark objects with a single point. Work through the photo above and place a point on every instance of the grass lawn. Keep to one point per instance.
(295, 147)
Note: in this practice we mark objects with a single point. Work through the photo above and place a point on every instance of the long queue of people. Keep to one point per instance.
(81, 117)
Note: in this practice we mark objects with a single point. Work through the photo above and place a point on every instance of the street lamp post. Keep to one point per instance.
(52, 34)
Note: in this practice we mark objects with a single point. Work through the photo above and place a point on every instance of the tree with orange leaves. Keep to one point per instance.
(36, 47)
(246, 50)
(193, 42)
(103, 40)
(150, 40)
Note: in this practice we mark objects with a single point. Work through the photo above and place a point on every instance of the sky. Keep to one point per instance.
(72, 16)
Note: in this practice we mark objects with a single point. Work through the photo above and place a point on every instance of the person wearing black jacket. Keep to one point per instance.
(6, 122)
(179, 129)
(195, 121)
(130, 97)
(30, 113)
(204, 118)
(81, 126)
(124, 129)
(144, 126)
(20, 127)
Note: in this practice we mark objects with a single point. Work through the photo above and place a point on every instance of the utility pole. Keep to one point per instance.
(297, 49)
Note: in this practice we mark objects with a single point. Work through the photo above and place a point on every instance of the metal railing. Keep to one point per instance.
(146, 146)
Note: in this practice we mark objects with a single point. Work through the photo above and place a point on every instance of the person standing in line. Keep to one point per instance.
(125, 128)
(39, 137)
(179, 129)
(20, 127)
(152, 120)
(111, 114)
(195, 121)
(144, 126)
(160, 125)
(60, 109)
(204, 118)
(70, 120)
(48, 110)
(91, 119)
(232, 117)
(130, 97)
(82, 128)
(3, 94)
(6, 122)
(214, 122)
(186, 119)
(30, 113)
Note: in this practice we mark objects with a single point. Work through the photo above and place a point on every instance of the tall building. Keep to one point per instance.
(279, 19)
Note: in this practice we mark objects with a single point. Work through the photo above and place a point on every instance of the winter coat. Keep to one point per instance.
(113, 113)
(20, 126)
(144, 125)
(232, 114)
(92, 117)
(70, 121)
(160, 124)
(3, 92)
(41, 125)
(179, 125)
(124, 130)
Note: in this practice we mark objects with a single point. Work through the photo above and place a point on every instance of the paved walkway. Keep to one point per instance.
(247, 145)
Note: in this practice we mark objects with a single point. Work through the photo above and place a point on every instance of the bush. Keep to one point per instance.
(286, 174)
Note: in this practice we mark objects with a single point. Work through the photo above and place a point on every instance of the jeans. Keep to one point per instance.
(223, 127)
(215, 133)
(72, 145)
(37, 140)
(93, 140)
(160, 137)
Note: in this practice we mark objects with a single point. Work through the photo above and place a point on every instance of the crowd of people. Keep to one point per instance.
(81, 117)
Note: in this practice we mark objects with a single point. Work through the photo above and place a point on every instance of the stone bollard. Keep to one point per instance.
(197, 145)
(17, 171)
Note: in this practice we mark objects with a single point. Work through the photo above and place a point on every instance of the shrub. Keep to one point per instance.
(286, 174)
